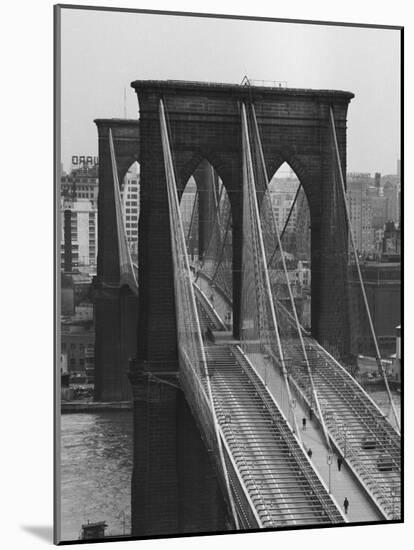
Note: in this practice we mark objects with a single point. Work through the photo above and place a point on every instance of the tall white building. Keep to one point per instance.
(83, 233)
(392, 190)
(360, 209)
(282, 193)
(130, 207)
(187, 204)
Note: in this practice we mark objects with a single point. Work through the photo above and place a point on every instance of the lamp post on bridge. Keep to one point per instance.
(329, 462)
(393, 494)
(345, 427)
(293, 404)
(267, 361)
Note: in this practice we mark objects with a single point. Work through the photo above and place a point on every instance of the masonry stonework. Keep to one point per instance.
(116, 308)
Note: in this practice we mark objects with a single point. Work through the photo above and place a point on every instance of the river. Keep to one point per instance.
(96, 467)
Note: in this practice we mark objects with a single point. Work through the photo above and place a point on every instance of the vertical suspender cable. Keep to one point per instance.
(252, 192)
(195, 206)
(217, 224)
(216, 198)
(279, 243)
(223, 244)
(361, 282)
(175, 209)
(269, 263)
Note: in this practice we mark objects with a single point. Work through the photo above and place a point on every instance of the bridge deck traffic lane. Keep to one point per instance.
(266, 459)
(343, 483)
(251, 445)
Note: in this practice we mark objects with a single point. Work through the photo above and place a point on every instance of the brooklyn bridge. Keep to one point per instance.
(243, 417)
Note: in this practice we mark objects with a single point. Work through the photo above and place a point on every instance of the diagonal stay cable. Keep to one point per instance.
(179, 235)
(251, 188)
(269, 263)
(292, 300)
(193, 216)
(361, 281)
(125, 259)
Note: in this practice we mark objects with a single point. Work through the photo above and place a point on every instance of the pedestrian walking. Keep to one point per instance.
(303, 423)
(346, 505)
(310, 452)
(339, 461)
(310, 414)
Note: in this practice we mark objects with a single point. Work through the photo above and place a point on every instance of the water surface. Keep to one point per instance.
(96, 467)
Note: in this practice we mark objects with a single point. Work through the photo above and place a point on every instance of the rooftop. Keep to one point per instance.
(221, 87)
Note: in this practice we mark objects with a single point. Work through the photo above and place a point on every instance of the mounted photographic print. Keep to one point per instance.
(228, 274)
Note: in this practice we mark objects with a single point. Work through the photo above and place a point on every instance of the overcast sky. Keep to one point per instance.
(102, 52)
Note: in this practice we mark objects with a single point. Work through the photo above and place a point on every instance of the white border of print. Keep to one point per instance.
(27, 275)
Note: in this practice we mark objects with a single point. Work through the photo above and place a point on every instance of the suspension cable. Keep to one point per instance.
(252, 193)
(216, 198)
(125, 259)
(292, 300)
(193, 214)
(175, 209)
(216, 249)
(223, 244)
(269, 263)
(217, 223)
(361, 281)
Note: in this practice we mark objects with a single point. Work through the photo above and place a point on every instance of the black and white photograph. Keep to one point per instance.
(228, 229)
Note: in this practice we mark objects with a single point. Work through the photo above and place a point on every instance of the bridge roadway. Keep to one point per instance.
(343, 483)
(281, 482)
(280, 479)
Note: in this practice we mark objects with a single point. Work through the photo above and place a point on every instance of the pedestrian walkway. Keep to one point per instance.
(342, 483)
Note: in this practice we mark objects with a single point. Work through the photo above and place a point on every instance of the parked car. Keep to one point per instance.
(385, 463)
(369, 442)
